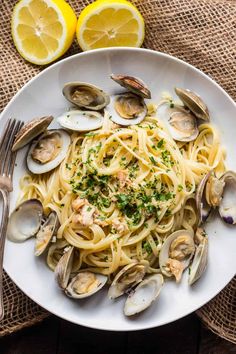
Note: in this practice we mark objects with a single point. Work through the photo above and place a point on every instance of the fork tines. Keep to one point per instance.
(7, 157)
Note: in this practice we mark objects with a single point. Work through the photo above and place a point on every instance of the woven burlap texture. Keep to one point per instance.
(201, 32)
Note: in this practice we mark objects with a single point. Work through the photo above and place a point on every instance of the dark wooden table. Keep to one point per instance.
(55, 336)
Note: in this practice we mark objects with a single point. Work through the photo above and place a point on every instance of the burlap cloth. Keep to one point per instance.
(201, 32)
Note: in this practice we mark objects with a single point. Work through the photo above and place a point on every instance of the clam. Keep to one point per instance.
(85, 284)
(64, 267)
(182, 124)
(132, 84)
(48, 151)
(176, 253)
(127, 278)
(55, 252)
(25, 220)
(194, 103)
(227, 207)
(31, 130)
(86, 95)
(46, 232)
(127, 109)
(143, 295)
(208, 195)
(199, 262)
(78, 120)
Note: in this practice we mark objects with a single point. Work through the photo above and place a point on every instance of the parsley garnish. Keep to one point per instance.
(160, 143)
(147, 248)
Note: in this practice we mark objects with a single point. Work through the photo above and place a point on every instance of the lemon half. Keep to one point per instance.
(43, 30)
(110, 23)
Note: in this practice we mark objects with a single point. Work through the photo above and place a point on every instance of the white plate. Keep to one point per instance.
(43, 96)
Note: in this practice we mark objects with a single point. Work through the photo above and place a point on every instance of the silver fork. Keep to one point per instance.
(7, 162)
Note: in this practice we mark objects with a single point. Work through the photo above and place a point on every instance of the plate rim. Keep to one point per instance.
(102, 50)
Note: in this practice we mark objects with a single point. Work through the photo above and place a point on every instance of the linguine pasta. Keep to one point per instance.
(121, 191)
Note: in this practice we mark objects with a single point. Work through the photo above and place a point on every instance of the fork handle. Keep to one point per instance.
(3, 231)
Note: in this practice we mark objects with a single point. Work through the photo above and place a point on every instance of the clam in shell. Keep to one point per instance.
(64, 267)
(143, 295)
(227, 207)
(48, 151)
(55, 252)
(176, 253)
(46, 232)
(199, 262)
(85, 284)
(24, 222)
(127, 109)
(181, 124)
(194, 103)
(84, 95)
(127, 278)
(31, 130)
(208, 195)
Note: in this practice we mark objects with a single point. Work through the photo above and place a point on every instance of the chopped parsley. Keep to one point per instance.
(90, 134)
(153, 160)
(160, 143)
(146, 245)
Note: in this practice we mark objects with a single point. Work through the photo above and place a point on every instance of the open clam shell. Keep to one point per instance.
(127, 278)
(132, 84)
(199, 262)
(127, 109)
(25, 220)
(85, 284)
(176, 253)
(64, 267)
(143, 295)
(203, 207)
(31, 130)
(85, 95)
(181, 124)
(55, 252)
(194, 103)
(208, 195)
(46, 232)
(48, 151)
(227, 208)
(78, 120)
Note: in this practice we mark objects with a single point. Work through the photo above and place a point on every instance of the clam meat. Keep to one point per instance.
(194, 103)
(77, 120)
(48, 151)
(132, 84)
(127, 109)
(85, 284)
(84, 95)
(47, 230)
(31, 130)
(143, 295)
(127, 278)
(176, 253)
(25, 220)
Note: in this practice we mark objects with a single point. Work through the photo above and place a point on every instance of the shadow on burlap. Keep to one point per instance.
(201, 32)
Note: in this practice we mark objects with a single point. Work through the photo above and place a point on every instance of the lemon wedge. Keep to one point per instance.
(110, 23)
(43, 30)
